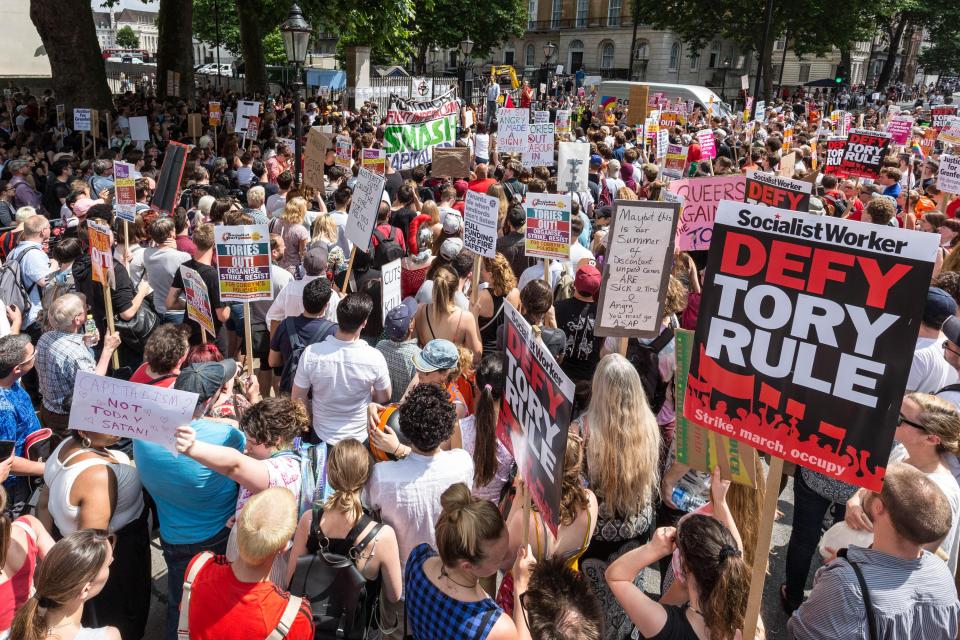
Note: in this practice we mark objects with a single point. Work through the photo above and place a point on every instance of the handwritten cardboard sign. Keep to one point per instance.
(513, 130)
(129, 409)
(363, 208)
(451, 161)
(390, 286)
(316, 151)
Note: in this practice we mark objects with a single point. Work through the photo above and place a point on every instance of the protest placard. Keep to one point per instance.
(948, 178)
(482, 147)
(539, 117)
(535, 415)
(61, 120)
(166, 196)
(663, 141)
(414, 128)
(708, 145)
(100, 238)
(777, 191)
(513, 130)
(81, 119)
(214, 114)
(128, 409)
(390, 286)
(548, 226)
(788, 164)
(939, 115)
(125, 191)
(864, 152)
(194, 125)
(836, 304)
(139, 128)
(563, 121)
(375, 160)
(480, 218)
(245, 110)
(363, 208)
(637, 268)
(950, 133)
(639, 98)
(344, 152)
(573, 170)
(787, 139)
(674, 161)
(835, 148)
(899, 129)
(700, 448)
(700, 199)
(670, 119)
(451, 161)
(539, 151)
(243, 262)
(316, 152)
(197, 300)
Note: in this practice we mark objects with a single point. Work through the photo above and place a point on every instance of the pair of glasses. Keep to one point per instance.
(947, 347)
(916, 425)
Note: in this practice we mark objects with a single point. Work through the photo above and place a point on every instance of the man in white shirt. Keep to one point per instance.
(288, 303)
(929, 372)
(344, 373)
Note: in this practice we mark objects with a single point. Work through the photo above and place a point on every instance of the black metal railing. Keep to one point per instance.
(578, 23)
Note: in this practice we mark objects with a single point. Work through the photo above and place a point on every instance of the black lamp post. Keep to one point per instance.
(723, 81)
(549, 50)
(466, 82)
(296, 37)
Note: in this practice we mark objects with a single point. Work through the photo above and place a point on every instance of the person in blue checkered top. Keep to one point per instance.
(444, 598)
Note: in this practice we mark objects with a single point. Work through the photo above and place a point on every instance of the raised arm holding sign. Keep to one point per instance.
(362, 217)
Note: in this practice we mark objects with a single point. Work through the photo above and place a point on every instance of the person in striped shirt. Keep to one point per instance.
(905, 591)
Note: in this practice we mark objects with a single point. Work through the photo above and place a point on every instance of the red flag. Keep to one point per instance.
(508, 103)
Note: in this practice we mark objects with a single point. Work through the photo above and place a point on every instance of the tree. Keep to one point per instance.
(175, 44)
(943, 54)
(70, 40)
(127, 39)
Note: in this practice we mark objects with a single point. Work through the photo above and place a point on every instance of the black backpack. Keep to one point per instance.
(337, 591)
(387, 248)
(297, 345)
(645, 358)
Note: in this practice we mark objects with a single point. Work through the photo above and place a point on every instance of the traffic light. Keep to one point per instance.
(841, 74)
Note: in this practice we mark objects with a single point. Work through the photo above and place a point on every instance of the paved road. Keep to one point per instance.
(773, 616)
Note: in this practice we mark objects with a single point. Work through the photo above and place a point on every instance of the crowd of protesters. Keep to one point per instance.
(417, 522)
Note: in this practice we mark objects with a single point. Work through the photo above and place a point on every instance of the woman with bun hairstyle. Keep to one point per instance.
(444, 599)
(348, 470)
(75, 570)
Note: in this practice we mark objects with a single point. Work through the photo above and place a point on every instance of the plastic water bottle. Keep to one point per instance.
(90, 328)
(686, 498)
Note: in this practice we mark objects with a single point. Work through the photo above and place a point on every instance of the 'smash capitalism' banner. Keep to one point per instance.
(414, 128)
(806, 334)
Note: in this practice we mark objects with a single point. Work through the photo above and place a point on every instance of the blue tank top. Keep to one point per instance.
(433, 615)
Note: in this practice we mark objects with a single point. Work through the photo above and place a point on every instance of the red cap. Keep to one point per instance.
(587, 281)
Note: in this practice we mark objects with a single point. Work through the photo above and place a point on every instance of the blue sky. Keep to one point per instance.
(128, 4)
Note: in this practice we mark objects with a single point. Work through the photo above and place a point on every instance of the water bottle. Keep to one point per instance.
(687, 500)
(91, 330)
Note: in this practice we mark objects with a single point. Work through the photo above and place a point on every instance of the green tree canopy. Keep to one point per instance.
(127, 39)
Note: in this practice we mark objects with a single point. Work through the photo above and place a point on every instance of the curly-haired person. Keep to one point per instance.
(407, 492)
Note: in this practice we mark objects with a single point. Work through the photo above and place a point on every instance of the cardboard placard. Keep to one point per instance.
(708, 144)
(535, 415)
(637, 268)
(513, 130)
(563, 121)
(701, 196)
(166, 195)
(573, 167)
(139, 128)
(214, 114)
(950, 133)
(637, 110)
(948, 178)
(243, 262)
(364, 206)
(548, 226)
(899, 129)
(197, 300)
(940, 114)
(81, 119)
(375, 160)
(777, 191)
(480, 220)
(768, 372)
(674, 161)
(344, 152)
(100, 238)
(540, 145)
(835, 148)
(245, 110)
(194, 125)
(453, 162)
(863, 154)
(125, 191)
(390, 286)
(788, 165)
(316, 152)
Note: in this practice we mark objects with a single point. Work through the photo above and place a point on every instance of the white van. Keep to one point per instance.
(620, 89)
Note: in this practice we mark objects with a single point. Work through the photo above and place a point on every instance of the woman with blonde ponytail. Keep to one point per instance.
(444, 597)
(348, 470)
(75, 570)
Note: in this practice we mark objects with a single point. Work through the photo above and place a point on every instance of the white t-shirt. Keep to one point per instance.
(343, 376)
(536, 273)
(288, 303)
(161, 265)
(407, 493)
(929, 371)
(276, 203)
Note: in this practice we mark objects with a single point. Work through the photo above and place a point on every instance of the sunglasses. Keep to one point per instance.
(916, 425)
(947, 347)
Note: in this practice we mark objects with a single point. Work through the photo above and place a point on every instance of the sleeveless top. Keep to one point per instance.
(15, 591)
(60, 477)
(350, 547)
(490, 325)
(433, 615)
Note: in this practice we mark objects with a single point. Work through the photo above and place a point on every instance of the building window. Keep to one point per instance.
(508, 57)
(779, 44)
(606, 56)
(674, 57)
(804, 74)
(695, 61)
(714, 55)
(531, 14)
(575, 60)
(583, 8)
(530, 58)
(613, 13)
(556, 14)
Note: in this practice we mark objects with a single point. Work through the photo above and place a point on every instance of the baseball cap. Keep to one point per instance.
(436, 355)
(951, 329)
(816, 206)
(451, 248)
(595, 160)
(452, 224)
(398, 319)
(461, 186)
(205, 378)
(939, 307)
(587, 280)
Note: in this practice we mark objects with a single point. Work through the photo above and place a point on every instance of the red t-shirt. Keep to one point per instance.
(141, 376)
(952, 208)
(223, 607)
(481, 186)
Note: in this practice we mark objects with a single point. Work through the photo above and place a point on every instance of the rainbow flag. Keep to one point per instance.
(918, 150)
(608, 103)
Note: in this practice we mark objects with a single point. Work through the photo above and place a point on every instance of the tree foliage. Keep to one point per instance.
(943, 54)
(445, 24)
(127, 39)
